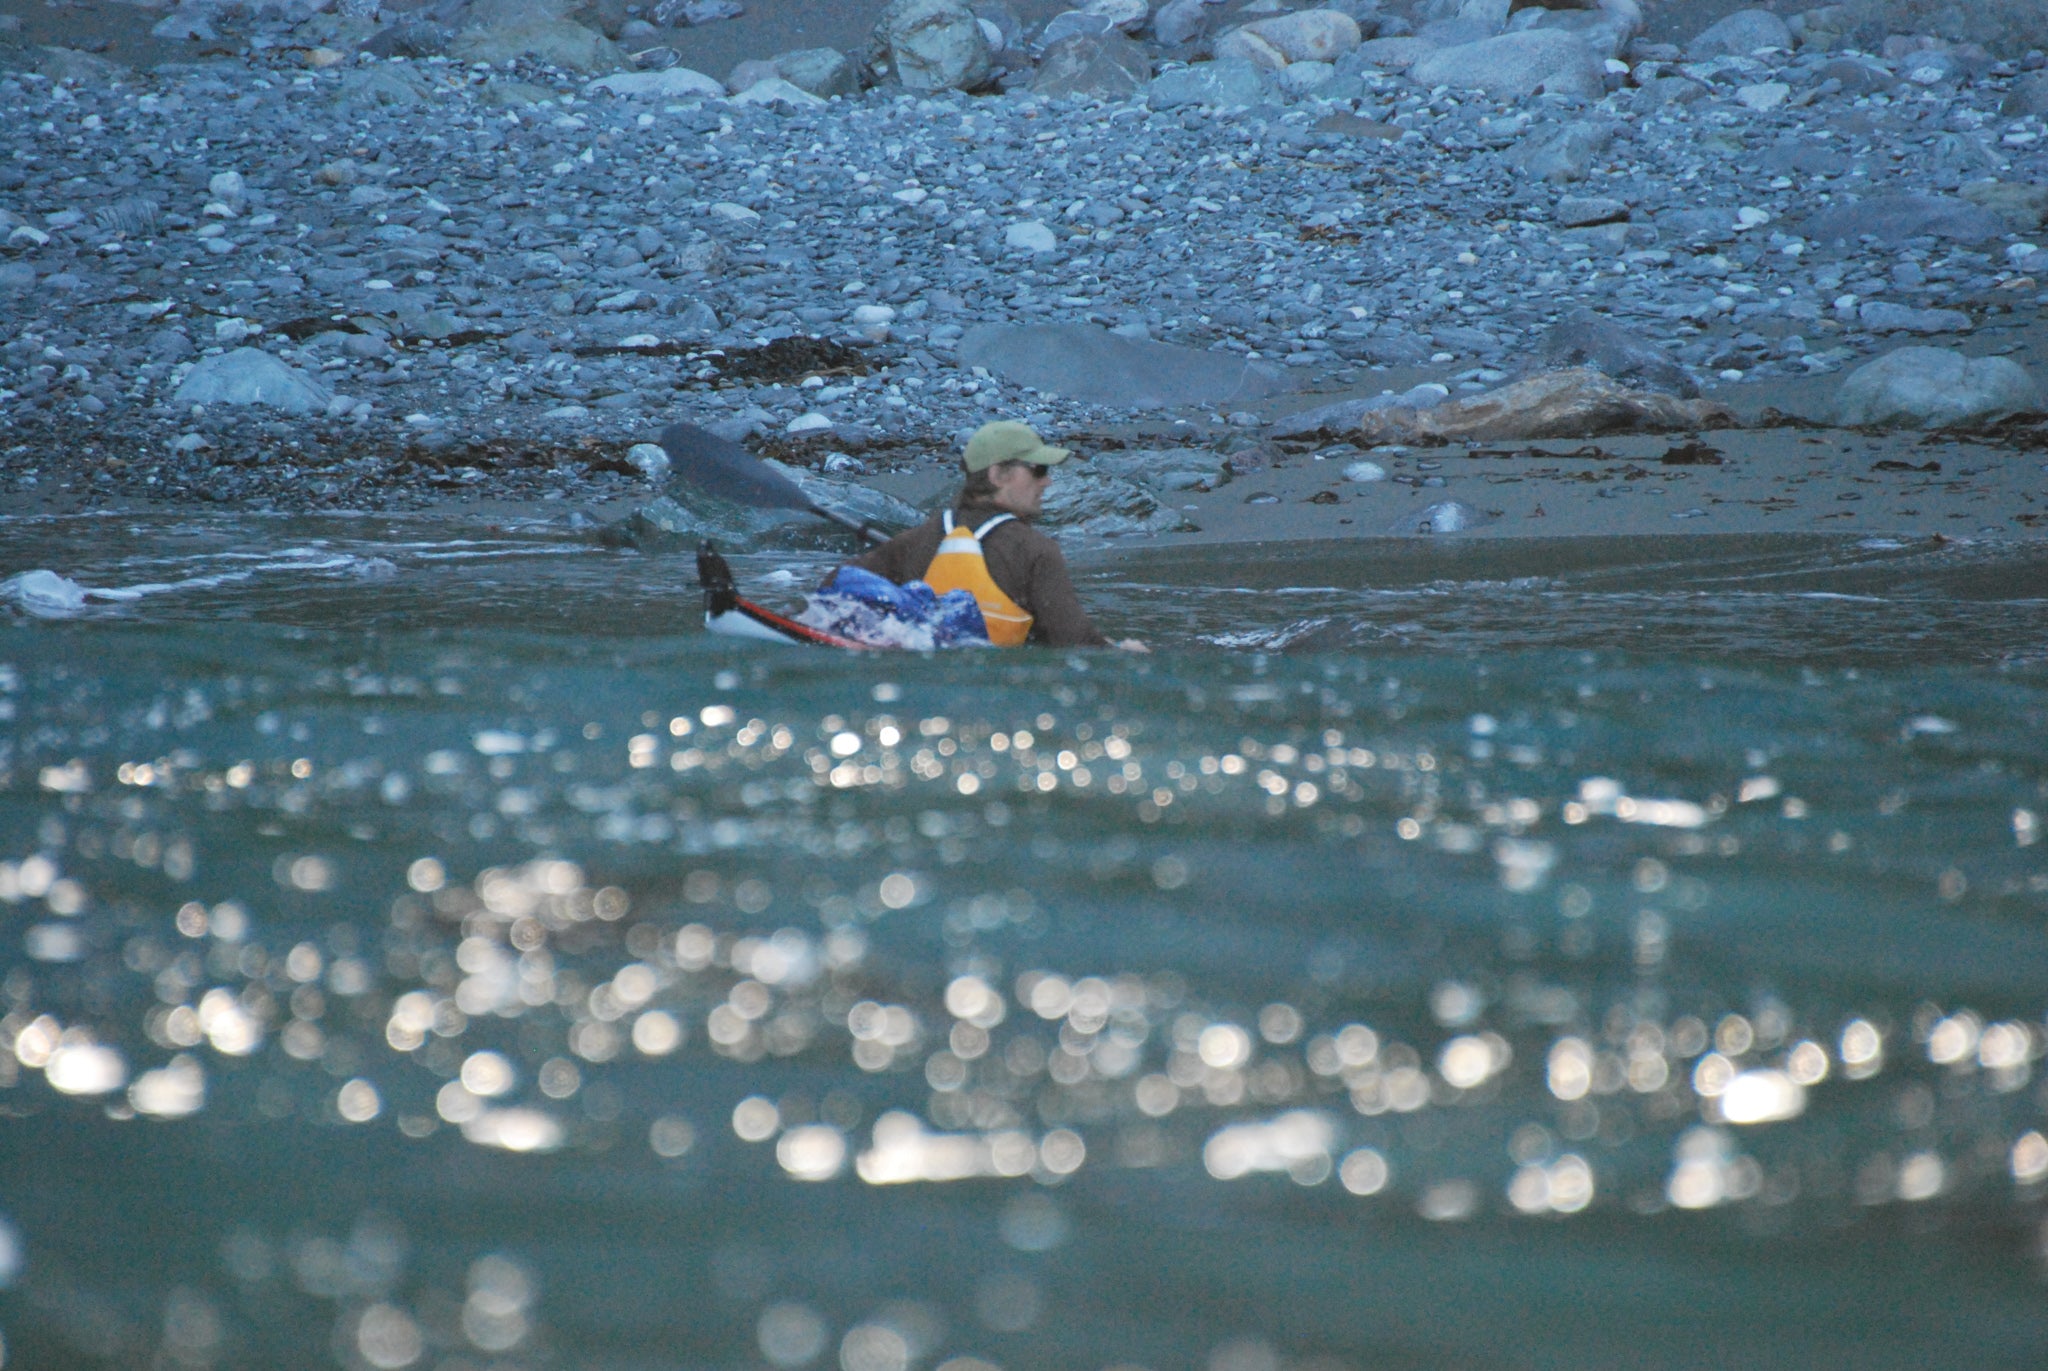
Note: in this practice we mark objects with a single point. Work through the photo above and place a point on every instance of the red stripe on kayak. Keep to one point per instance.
(791, 628)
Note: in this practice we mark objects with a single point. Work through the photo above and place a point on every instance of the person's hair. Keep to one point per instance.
(978, 488)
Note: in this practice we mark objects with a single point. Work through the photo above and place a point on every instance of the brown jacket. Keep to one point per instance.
(1025, 563)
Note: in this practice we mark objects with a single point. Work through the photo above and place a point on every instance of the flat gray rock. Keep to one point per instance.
(1605, 32)
(506, 30)
(1180, 21)
(1105, 66)
(1228, 84)
(1796, 157)
(1895, 218)
(2022, 206)
(1394, 52)
(1095, 366)
(1342, 416)
(677, 83)
(1560, 152)
(1882, 316)
(1706, 225)
(1922, 387)
(1858, 75)
(1516, 65)
(2029, 95)
(824, 72)
(1586, 211)
(1739, 35)
(250, 376)
(1586, 339)
(1074, 24)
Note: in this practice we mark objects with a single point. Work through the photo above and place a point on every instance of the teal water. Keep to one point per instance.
(424, 947)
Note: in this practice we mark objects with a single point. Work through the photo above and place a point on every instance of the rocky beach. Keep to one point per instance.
(1356, 269)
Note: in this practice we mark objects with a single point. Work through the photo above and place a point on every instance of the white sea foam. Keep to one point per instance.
(1265, 639)
(46, 594)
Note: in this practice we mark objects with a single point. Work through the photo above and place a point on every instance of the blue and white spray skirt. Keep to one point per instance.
(855, 609)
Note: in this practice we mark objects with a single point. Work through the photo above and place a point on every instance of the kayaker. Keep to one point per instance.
(985, 544)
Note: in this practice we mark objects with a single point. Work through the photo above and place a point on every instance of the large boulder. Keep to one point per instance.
(1895, 218)
(1106, 67)
(1215, 85)
(1936, 388)
(1304, 36)
(1165, 470)
(1739, 35)
(1516, 65)
(1586, 339)
(505, 30)
(1097, 504)
(1577, 403)
(1095, 366)
(934, 45)
(250, 376)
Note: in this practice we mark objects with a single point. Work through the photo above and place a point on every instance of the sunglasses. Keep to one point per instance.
(1037, 472)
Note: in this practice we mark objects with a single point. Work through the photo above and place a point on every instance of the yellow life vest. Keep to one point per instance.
(959, 565)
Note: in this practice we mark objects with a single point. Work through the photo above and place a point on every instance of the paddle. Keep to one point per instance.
(718, 466)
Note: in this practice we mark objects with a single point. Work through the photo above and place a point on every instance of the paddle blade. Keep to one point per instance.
(715, 576)
(718, 466)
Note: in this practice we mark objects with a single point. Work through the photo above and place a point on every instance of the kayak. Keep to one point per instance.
(728, 613)
(853, 609)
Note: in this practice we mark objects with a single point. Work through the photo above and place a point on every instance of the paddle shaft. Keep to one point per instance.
(847, 521)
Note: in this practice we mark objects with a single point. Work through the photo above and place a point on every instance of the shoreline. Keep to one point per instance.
(1787, 480)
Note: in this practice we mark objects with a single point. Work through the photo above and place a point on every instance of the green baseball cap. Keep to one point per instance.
(1009, 441)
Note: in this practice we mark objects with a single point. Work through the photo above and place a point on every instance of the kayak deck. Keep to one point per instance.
(728, 613)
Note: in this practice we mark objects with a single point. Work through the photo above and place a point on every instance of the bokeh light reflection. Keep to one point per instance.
(861, 989)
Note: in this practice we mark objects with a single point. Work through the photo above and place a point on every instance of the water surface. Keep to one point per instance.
(425, 947)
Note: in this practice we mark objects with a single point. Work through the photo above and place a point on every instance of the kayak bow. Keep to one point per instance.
(727, 613)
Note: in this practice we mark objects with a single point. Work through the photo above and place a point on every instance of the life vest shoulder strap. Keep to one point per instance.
(946, 524)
